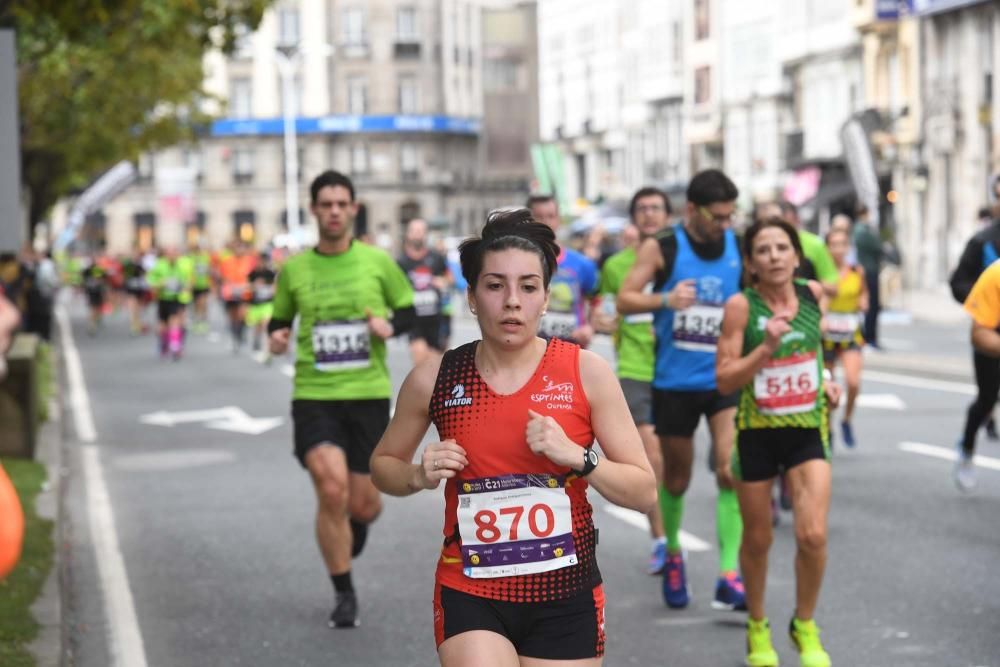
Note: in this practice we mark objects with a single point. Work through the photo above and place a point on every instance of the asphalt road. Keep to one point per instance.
(218, 561)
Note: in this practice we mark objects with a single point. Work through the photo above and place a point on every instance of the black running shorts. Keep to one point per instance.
(354, 426)
(764, 453)
(428, 329)
(167, 309)
(677, 413)
(569, 629)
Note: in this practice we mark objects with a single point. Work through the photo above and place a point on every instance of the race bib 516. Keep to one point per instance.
(787, 386)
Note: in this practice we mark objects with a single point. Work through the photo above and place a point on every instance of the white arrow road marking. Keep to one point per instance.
(947, 454)
(641, 521)
(229, 418)
(164, 418)
(881, 402)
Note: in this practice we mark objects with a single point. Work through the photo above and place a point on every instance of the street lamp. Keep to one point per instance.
(286, 57)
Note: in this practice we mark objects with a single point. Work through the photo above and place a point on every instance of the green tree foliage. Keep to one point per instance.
(104, 80)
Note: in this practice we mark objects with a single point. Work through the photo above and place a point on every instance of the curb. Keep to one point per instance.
(47, 648)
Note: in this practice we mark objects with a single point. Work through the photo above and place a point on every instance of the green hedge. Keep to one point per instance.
(22, 587)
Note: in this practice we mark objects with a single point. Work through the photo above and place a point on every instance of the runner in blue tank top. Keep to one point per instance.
(695, 266)
(573, 286)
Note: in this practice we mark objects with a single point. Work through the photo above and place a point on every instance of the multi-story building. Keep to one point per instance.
(820, 54)
(653, 95)
(387, 91)
(580, 93)
(961, 146)
(703, 76)
(750, 88)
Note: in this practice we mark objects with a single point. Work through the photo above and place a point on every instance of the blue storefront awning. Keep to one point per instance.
(342, 124)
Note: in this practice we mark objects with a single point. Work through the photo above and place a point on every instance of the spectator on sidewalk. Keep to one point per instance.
(868, 246)
(982, 250)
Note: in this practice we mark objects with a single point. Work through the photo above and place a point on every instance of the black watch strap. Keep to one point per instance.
(590, 460)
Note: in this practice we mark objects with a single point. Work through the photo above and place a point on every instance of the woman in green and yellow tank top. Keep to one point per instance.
(842, 337)
(770, 351)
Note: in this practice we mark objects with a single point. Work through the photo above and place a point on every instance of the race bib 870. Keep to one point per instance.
(515, 524)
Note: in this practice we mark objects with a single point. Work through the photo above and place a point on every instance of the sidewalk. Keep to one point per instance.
(47, 647)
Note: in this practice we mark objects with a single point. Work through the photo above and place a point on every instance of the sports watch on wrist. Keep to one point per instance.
(590, 459)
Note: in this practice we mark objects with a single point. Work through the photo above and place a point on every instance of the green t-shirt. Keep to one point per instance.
(816, 252)
(788, 393)
(201, 263)
(337, 359)
(171, 280)
(634, 340)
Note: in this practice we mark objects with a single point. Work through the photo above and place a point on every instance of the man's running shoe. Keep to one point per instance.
(964, 471)
(729, 593)
(805, 638)
(345, 611)
(760, 652)
(675, 589)
(991, 430)
(848, 433)
(658, 557)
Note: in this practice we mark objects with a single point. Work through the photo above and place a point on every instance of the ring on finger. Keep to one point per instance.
(437, 463)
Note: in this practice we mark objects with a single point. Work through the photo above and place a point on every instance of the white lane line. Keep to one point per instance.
(881, 402)
(920, 382)
(125, 639)
(79, 401)
(947, 454)
(640, 521)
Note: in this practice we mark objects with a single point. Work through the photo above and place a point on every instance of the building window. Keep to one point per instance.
(354, 27)
(193, 161)
(702, 85)
(243, 165)
(288, 26)
(244, 223)
(701, 20)
(359, 159)
(240, 98)
(145, 169)
(406, 24)
(357, 95)
(408, 100)
(409, 160)
(409, 211)
(243, 44)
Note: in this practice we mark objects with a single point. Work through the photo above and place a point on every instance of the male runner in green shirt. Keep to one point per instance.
(635, 346)
(342, 292)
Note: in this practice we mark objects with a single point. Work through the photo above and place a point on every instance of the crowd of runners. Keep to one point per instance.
(742, 322)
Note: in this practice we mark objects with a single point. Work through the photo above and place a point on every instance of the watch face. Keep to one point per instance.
(592, 456)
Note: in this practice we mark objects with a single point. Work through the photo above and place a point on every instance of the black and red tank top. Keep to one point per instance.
(517, 526)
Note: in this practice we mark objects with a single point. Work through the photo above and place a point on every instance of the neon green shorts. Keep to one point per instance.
(259, 313)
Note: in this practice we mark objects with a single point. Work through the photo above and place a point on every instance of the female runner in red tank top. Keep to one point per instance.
(517, 582)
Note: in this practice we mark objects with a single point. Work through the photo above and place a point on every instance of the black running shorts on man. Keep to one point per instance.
(354, 426)
(677, 413)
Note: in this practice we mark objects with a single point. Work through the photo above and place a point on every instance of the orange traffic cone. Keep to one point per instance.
(11, 525)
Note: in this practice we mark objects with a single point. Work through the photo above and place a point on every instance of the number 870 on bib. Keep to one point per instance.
(515, 524)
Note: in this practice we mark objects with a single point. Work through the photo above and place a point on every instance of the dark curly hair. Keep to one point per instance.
(510, 229)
